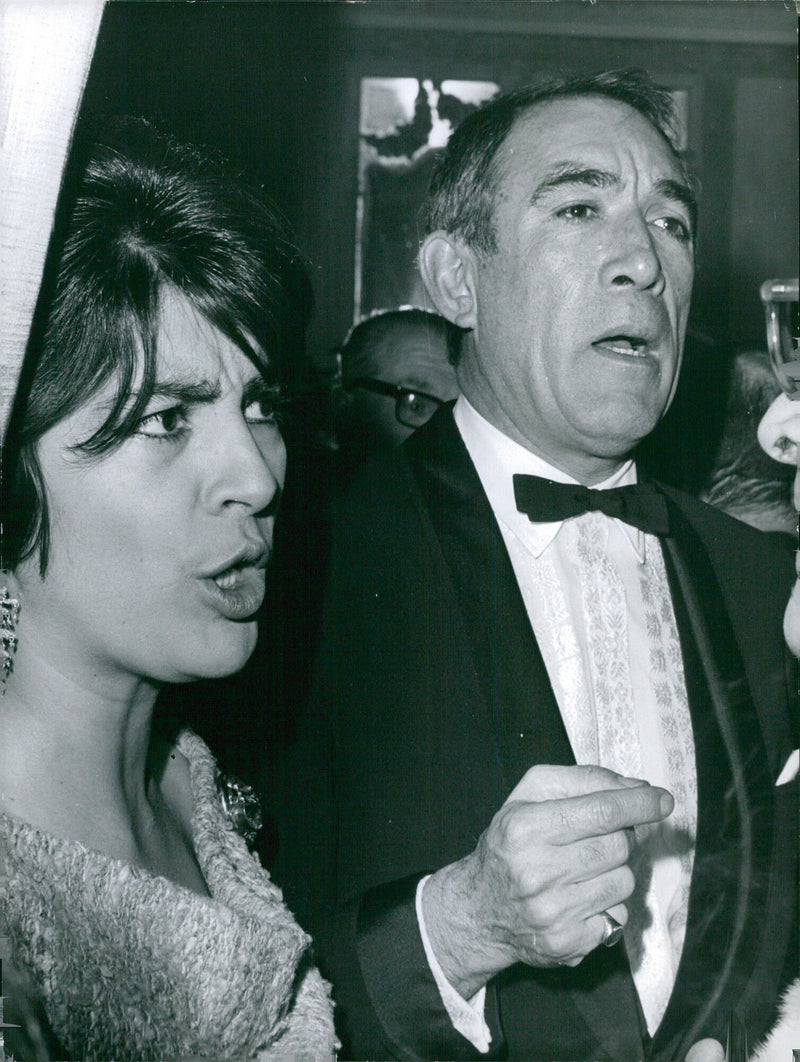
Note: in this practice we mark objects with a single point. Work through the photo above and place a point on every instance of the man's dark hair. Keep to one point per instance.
(146, 214)
(461, 196)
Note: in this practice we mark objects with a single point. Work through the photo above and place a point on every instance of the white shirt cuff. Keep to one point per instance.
(466, 1015)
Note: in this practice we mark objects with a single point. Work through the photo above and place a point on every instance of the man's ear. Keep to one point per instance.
(448, 271)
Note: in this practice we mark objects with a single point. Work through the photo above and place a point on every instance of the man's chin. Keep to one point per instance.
(791, 620)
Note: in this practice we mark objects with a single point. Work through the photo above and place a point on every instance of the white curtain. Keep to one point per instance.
(45, 50)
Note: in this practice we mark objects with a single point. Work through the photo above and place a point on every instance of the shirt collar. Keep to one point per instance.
(497, 458)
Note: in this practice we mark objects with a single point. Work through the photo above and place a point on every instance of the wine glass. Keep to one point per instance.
(780, 299)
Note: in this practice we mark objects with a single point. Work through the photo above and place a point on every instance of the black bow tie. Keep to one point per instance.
(544, 501)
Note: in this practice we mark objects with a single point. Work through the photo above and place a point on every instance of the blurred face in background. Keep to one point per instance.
(398, 352)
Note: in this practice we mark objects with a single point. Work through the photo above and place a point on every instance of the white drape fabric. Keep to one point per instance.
(45, 50)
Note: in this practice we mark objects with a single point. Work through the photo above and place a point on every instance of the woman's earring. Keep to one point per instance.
(9, 614)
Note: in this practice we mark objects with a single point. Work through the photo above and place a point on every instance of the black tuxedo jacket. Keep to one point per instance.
(432, 700)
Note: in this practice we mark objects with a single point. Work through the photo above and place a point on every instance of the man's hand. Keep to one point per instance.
(534, 889)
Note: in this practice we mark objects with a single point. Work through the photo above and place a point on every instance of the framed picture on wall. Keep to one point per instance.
(404, 123)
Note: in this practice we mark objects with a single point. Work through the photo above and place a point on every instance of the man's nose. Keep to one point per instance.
(632, 259)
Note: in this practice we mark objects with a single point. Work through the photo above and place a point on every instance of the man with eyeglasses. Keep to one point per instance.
(557, 701)
(394, 372)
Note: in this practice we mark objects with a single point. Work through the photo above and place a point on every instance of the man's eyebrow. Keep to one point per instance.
(570, 173)
(678, 192)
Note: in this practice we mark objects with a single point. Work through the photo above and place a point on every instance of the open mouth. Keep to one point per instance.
(251, 559)
(237, 587)
(623, 345)
(238, 591)
(233, 577)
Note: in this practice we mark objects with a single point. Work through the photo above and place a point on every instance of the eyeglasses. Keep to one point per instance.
(411, 408)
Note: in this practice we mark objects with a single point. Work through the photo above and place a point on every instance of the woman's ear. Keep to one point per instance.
(448, 272)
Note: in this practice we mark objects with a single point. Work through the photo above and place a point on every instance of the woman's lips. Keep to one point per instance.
(228, 580)
(238, 592)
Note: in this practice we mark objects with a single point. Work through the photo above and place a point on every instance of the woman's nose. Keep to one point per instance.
(250, 467)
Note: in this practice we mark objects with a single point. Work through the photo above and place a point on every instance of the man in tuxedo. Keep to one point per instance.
(552, 717)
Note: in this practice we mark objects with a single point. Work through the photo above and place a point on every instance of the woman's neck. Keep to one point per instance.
(78, 758)
(75, 745)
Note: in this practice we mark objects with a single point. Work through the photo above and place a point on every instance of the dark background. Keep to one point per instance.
(275, 84)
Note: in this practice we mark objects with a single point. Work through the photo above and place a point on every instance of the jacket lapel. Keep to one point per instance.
(526, 721)
(734, 815)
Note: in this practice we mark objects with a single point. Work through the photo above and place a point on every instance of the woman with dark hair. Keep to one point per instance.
(142, 476)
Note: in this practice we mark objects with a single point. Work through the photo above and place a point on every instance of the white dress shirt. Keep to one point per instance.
(657, 744)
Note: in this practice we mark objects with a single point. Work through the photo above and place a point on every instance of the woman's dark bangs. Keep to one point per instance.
(135, 342)
(245, 317)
